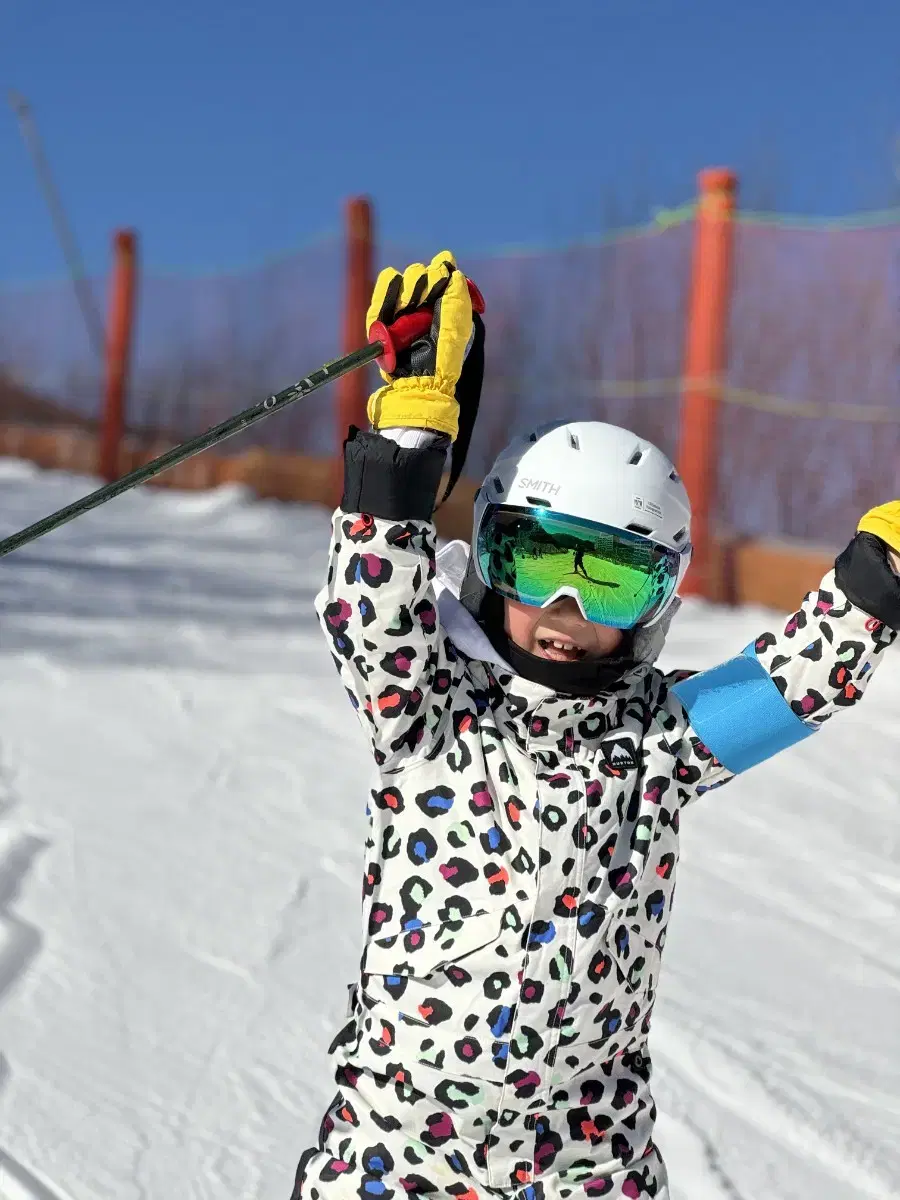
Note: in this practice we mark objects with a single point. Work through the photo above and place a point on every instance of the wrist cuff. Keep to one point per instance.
(864, 575)
(390, 481)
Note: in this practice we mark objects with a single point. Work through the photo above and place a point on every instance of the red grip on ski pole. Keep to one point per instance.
(399, 336)
(476, 297)
(408, 329)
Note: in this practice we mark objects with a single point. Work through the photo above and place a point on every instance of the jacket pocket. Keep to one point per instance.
(638, 958)
(420, 952)
(443, 995)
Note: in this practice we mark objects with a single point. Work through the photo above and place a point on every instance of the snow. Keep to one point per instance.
(182, 787)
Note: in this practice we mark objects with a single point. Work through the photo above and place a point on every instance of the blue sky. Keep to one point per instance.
(229, 132)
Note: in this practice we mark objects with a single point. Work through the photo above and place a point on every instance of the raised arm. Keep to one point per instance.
(788, 682)
(378, 606)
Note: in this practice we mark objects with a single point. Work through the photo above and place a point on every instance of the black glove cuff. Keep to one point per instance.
(864, 575)
(390, 481)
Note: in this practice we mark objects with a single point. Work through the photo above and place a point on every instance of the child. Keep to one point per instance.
(532, 768)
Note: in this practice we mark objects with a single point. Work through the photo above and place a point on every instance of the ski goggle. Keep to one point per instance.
(535, 556)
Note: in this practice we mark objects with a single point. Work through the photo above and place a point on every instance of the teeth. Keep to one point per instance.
(562, 645)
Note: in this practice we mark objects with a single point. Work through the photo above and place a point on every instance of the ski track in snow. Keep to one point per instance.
(18, 1183)
(700, 1171)
(723, 1071)
(190, 778)
(20, 942)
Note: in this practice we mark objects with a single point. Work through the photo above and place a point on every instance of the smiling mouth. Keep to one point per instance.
(559, 650)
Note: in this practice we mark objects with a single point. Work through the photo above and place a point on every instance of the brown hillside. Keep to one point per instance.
(25, 407)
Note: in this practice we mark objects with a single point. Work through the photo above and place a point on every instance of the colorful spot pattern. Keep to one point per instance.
(516, 893)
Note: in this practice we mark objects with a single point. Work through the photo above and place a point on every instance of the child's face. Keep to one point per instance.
(559, 632)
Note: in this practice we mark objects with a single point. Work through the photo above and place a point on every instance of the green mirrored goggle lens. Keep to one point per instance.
(621, 579)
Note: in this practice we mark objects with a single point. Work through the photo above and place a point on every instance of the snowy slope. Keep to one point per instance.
(181, 814)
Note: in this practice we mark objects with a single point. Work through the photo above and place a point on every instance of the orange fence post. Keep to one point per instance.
(119, 338)
(352, 388)
(705, 361)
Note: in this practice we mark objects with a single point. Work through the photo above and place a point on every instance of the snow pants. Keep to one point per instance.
(382, 1139)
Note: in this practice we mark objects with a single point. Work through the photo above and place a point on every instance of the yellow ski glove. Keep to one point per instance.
(423, 390)
(884, 523)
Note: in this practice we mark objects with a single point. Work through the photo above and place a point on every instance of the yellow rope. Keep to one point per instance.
(637, 389)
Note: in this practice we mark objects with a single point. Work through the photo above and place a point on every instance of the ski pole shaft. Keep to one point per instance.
(384, 344)
(178, 454)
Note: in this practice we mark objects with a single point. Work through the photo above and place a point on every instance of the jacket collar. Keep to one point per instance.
(456, 621)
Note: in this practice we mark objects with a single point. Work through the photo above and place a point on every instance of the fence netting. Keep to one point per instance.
(810, 424)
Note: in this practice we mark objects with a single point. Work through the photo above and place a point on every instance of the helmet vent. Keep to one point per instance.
(674, 476)
(573, 441)
(538, 502)
(498, 483)
(636, 455)
(680, 535)
(641, 529)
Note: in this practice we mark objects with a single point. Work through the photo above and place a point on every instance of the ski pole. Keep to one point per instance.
(385, 341)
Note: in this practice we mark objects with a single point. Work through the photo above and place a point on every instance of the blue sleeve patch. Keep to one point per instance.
(737, 712)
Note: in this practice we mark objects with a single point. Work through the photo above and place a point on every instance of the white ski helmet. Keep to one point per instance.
(596, 472)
